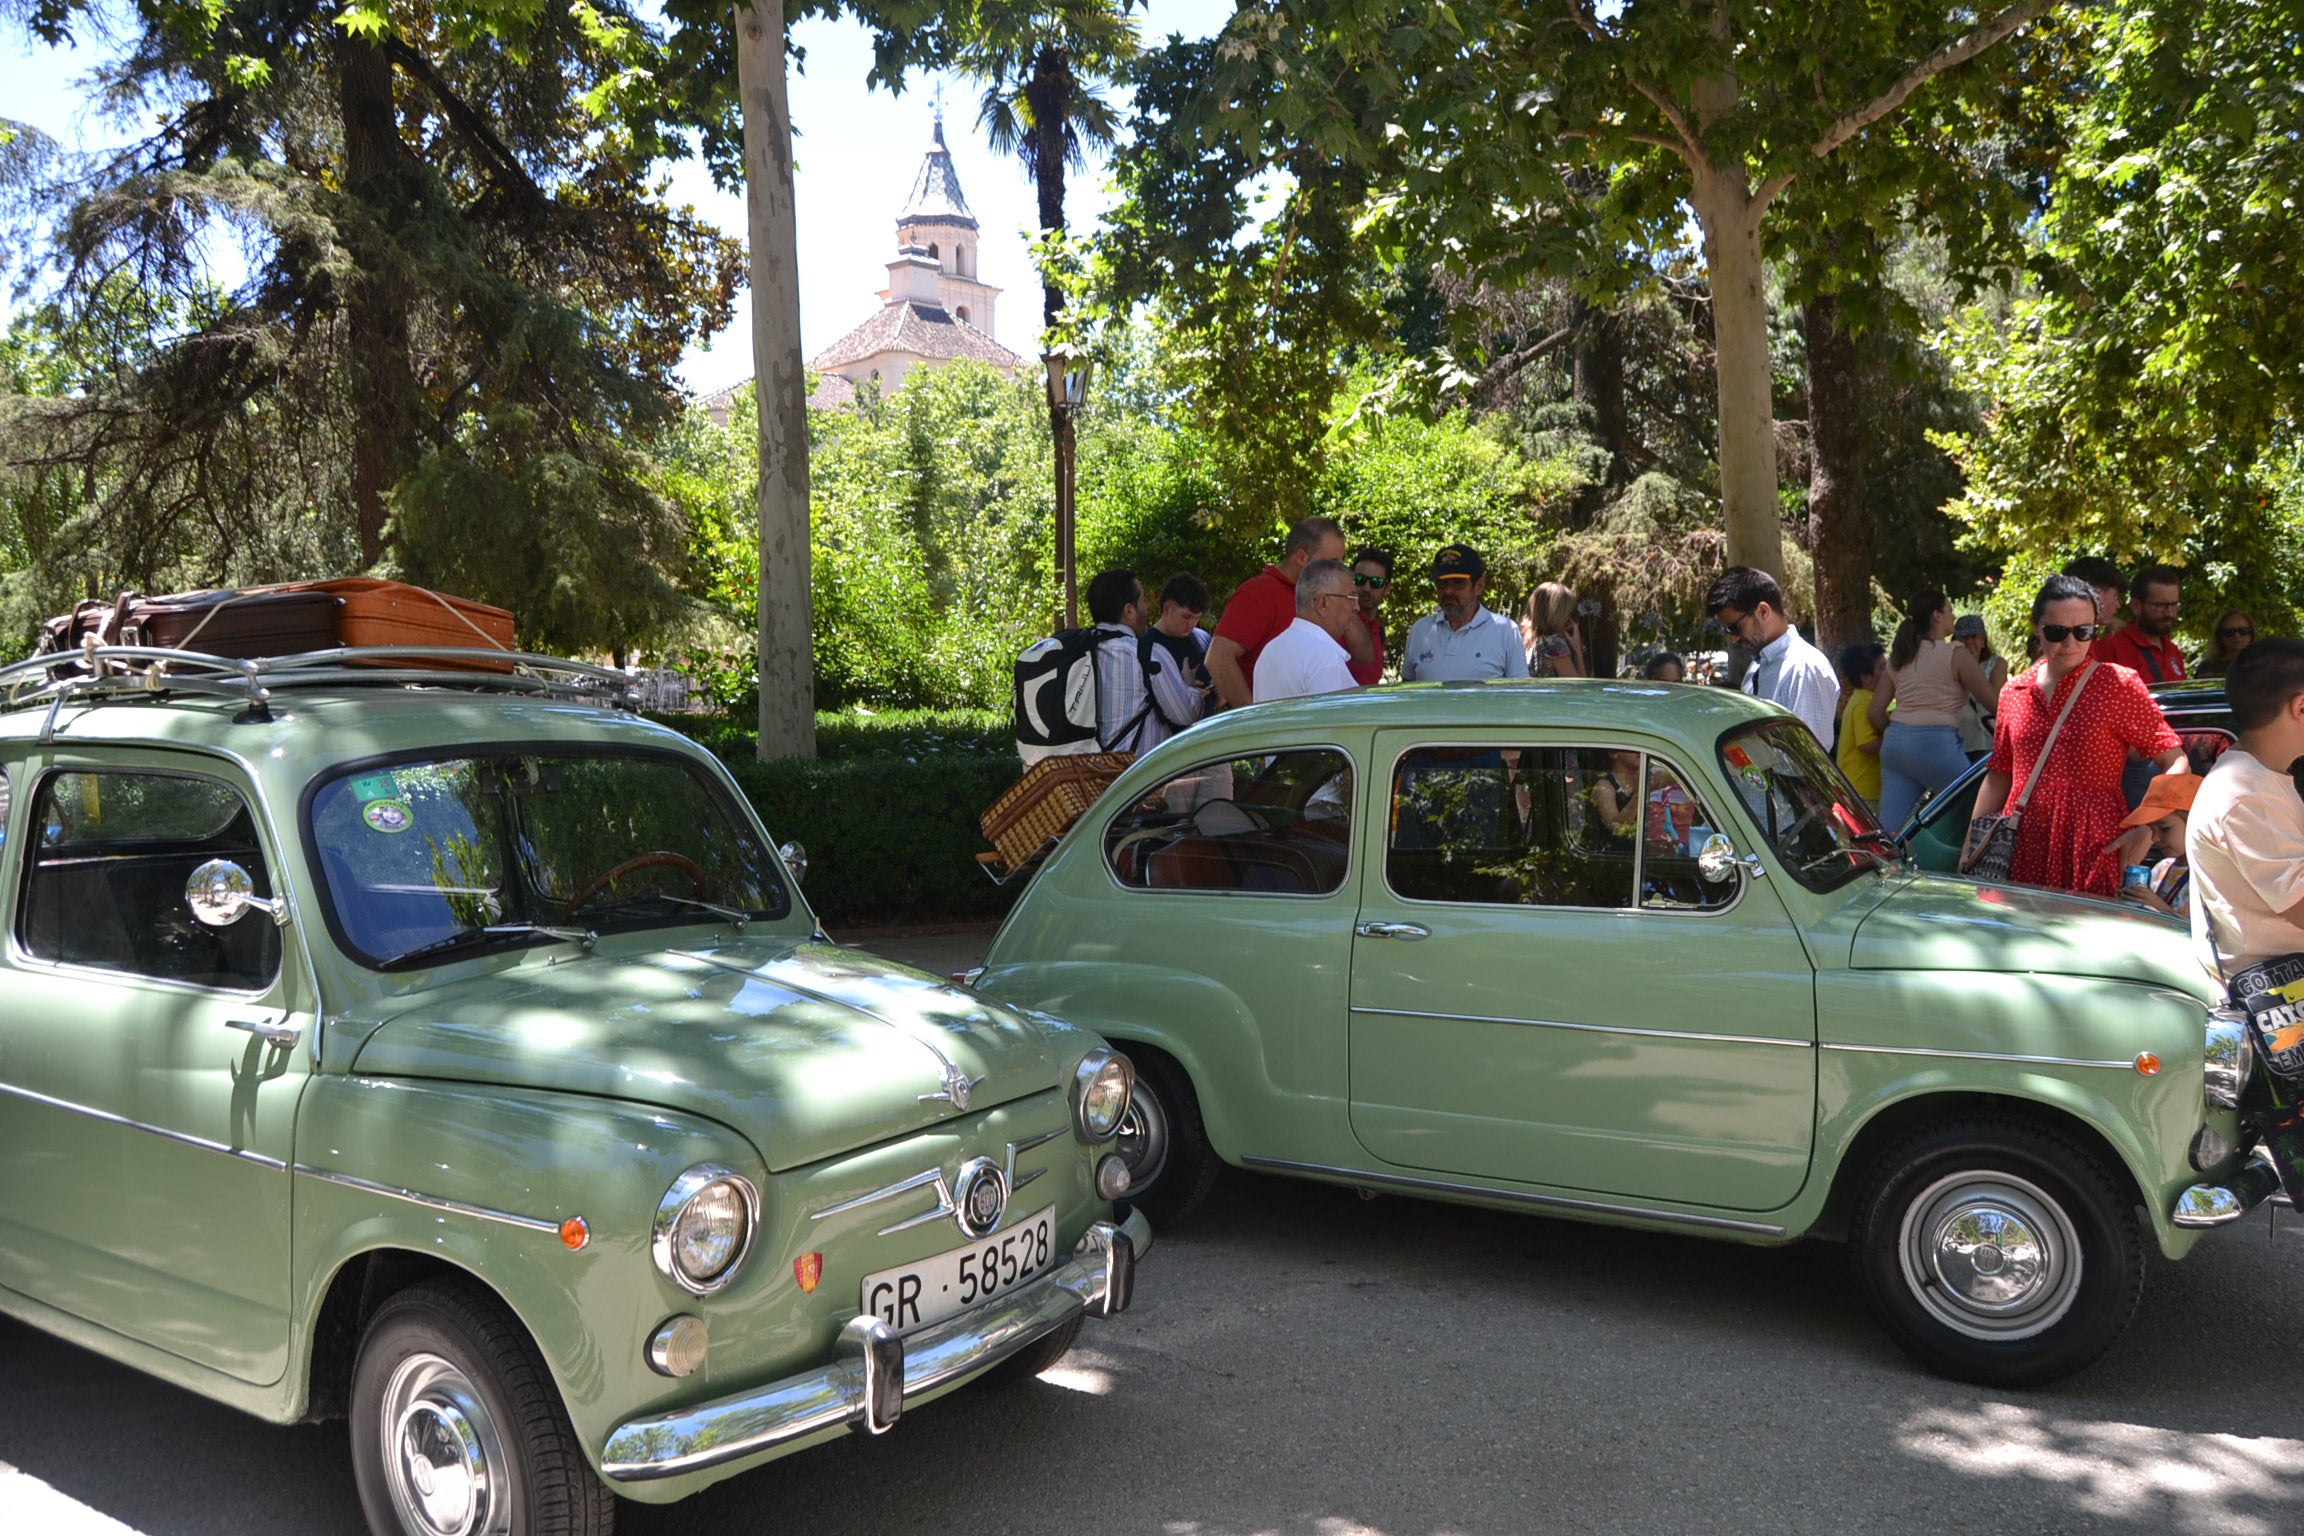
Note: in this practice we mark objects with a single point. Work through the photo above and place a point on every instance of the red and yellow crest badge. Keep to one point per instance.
(808, 1269)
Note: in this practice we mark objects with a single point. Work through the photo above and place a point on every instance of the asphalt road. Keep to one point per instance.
(1304, 1363)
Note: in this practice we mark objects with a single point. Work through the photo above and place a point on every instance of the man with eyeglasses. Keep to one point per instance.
(1461, 641)
(1371, 577)
(1785, 668)
(1263, 606)
(2147, 646)
(1309, 656)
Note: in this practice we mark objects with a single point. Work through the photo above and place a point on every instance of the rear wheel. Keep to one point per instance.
(457, 1429)
(1998, 1253)
(1171, 1167)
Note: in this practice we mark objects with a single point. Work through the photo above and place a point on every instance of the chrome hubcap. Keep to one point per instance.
(1142, 1140)
(442, 1455)
(1990, 1255)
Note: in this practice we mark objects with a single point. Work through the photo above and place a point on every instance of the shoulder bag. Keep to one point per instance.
(1992, 839)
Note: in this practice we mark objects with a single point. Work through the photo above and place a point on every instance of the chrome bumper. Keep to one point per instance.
(2215, 1205)
(877, 1369)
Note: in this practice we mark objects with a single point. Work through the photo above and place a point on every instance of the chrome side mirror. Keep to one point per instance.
(220, 894)
(1716, 860)
(795, 859)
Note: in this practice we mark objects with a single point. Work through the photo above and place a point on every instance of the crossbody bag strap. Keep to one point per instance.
(2049, 745)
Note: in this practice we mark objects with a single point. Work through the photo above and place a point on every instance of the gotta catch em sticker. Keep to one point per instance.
(2272, 994)
(388, 815)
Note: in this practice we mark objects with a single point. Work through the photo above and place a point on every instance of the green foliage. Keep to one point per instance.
(2145, 392)
(465, 302)
(887, 837)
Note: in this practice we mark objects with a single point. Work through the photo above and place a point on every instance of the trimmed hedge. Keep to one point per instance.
(887, 810)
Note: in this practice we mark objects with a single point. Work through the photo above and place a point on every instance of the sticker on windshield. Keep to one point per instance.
(1737, 757)
(375, 786)
(388, 815)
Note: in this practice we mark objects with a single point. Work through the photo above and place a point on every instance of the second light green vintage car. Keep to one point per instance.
(1637, 953)
(451, 1052)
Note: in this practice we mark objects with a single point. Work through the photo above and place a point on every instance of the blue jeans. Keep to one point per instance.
(1916, 759)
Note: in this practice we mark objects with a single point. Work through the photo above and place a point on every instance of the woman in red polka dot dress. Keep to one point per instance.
(2065, 839)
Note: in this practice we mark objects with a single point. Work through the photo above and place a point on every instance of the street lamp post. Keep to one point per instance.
(1067, 392)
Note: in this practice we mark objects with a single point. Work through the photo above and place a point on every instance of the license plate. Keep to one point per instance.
(932, 1289)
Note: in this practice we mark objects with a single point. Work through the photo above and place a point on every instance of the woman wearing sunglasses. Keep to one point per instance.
(2235, 632)
(1548, 632)
(2073, 814)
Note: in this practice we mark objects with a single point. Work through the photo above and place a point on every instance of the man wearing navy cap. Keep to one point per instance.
(1462, 642)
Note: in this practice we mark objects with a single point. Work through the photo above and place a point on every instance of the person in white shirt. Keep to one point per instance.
(1309, 656)
(2245, 842)
(1785, 669)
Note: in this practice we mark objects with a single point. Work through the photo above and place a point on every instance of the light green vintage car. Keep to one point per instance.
(1636, 953)
(453, 1053)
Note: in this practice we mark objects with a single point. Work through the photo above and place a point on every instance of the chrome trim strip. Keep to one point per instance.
(2030, 1061)
(181, 1138)
(934, 1177)
(429, 1202)
(1094, 1281)
(1597, 1029)
(1517, 1197)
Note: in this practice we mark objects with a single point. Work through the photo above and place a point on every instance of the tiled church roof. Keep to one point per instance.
(924, 330)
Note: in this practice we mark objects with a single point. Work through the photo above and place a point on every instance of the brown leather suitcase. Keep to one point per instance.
(242, 624)
(377, 612)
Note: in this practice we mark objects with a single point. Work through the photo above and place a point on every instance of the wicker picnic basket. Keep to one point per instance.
(1024, 823)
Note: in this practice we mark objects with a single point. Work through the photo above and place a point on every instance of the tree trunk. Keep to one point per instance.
(376, 313)
(1731, 224)
(1839, 523)
(787, 661)
(1596, 382)
(1050, 97)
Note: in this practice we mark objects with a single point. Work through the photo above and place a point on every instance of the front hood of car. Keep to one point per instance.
(1939, 923)
(807, 1048)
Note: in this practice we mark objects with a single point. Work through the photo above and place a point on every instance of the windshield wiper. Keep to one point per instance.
(739, 918)
(488, 933)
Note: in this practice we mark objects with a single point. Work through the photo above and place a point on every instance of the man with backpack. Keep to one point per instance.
(1084, 690)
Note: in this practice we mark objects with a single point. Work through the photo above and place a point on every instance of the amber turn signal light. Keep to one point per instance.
(574, 1234)
(2147, 1063)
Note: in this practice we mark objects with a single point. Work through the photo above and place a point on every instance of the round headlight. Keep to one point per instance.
(1100, 1091)
(703, 1226)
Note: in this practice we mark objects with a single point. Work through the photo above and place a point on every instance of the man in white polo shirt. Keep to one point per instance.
(1309, 656)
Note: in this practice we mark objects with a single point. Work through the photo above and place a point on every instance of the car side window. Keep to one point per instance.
(1546, 827)
(1278, 825)
(1517, 826)
(111, 854)
(1673, 831)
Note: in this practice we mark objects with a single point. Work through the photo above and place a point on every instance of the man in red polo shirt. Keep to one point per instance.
(1265, 604)
(2147, 646)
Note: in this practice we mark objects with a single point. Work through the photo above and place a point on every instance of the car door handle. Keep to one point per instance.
(282, 1035)
(1393, 931)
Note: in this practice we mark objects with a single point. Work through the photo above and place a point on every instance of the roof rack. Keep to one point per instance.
(154, 672)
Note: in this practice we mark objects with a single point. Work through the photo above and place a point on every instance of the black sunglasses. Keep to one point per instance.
(2235, 634)
(1378, 582)
(2055, 633)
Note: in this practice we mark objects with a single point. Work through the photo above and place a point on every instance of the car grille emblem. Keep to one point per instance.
(980, 1198)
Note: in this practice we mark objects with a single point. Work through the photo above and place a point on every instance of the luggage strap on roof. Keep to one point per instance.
(143, 671)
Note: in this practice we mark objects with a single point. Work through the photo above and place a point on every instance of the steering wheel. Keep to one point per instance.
(608, 877)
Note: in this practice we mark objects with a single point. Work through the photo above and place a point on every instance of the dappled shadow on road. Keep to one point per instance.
(1303, 1363)
(2154, 1479)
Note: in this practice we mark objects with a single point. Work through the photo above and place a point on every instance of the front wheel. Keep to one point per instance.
(1997, 1252)
(457, 1429)
(1171, 1167)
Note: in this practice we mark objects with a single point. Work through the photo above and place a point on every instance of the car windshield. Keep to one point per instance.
(1820, 828)
(446, 854)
